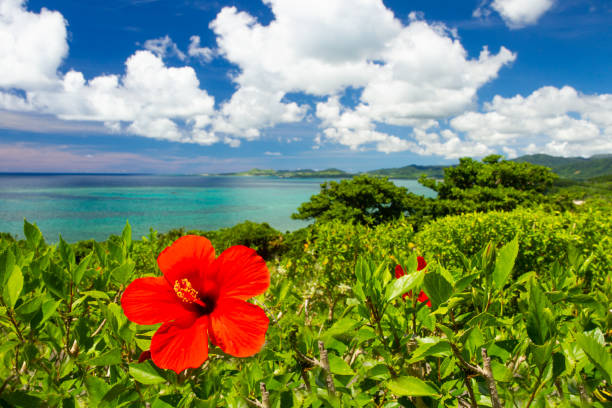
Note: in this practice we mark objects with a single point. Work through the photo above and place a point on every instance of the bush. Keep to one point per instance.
(543, 237)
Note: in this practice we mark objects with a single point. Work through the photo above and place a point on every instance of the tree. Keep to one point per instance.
(492, 184)
(362, 199)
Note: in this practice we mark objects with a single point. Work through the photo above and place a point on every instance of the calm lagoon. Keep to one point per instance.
(85, 206)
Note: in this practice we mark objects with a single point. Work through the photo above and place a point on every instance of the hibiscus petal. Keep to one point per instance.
(151, 300)
(188, 257)
(399, 271)
(238, 328)
(240, 273)
(421, 263)
(181, 344)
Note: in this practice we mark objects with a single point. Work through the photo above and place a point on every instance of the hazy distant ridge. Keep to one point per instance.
(575, 168)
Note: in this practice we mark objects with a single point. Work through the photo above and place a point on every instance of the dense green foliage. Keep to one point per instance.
(519, 312)
(544, 238)
(363, 199)
(492, 184)
(546, 334)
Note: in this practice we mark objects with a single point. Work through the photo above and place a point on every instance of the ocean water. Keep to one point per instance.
(85, 206)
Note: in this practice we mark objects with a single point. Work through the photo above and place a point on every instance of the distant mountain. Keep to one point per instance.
(575, 168)
(304, 173)
(411, 171)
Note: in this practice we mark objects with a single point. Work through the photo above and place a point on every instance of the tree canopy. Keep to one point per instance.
(492, 184)
(363, 199)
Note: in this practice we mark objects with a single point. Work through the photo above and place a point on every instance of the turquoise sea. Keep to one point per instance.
(85, 206)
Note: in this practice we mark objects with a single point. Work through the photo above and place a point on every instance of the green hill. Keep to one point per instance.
(575, 168)
(303, 173)
(412, 171)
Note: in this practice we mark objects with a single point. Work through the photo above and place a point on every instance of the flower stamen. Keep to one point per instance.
(186, 292)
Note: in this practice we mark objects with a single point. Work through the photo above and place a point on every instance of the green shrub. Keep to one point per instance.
(544, 237)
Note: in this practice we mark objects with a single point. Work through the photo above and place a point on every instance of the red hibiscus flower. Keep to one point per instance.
(200, 297)
(399, 272)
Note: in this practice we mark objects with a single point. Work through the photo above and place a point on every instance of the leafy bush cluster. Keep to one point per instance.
(343, 331)
(518, 311)
(544, 237)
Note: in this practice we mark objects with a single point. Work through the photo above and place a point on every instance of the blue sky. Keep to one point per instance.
(193, 86)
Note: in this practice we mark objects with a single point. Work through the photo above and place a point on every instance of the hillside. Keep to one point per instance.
(302, 173)
(575, 168)
(412, 171)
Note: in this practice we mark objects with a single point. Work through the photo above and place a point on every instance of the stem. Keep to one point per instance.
(69, 318)
(9, 313)
(99, 329)
(535, 389)
(470, 390)
(329, 379)
(5, 383)
(488, 374)
(374, 316)
(304, 375)
(265, 395)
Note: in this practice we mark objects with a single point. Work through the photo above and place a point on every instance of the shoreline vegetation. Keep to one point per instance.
(513, 261)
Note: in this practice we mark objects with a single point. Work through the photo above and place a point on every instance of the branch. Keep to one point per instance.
(265, 395)
(329, 379)
(95, 333)
(465, 364)
(488, 374)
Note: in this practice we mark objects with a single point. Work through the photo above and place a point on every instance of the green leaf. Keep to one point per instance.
(404, 284)
(542, 354)
(379, 372)
(339, 328)
(126, 235)
(464, 282)
(106, 359)
(145, 373)
(411, 387)
(32, 234)
(339, 366)
(66, 253)
(504, 262)
(437, 289)
(500, 371)
(29, 308)
(96, 294)
(597, 354)
(7, 263)
(540, 321)
(96, 388)
(13, 288)
(77, 273)
(48, 309)
(56, 280)
(558, 365)
(123, 272)
(439, 348)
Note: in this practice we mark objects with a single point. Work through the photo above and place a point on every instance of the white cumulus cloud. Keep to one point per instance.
(164, 47)
(516, 13)
(32, 46)
(377, 83)
(557, 121)
(195, 50)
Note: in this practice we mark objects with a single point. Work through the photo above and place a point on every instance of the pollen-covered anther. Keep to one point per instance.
(185, 292)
